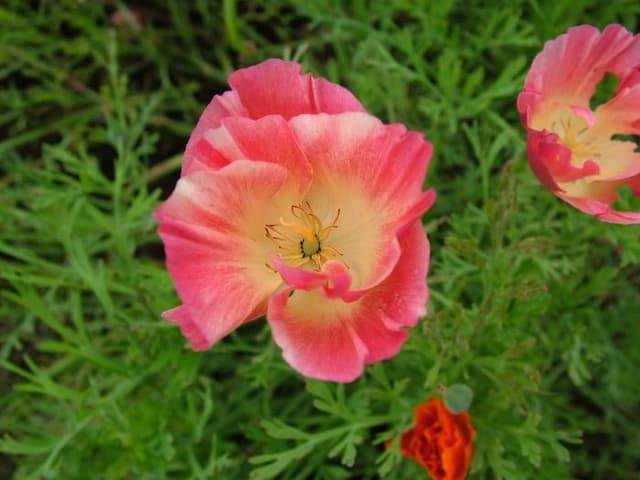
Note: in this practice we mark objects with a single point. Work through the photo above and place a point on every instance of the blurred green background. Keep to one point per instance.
(534, 305)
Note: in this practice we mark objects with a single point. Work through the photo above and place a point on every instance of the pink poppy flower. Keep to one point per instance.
(295, 203)
(571, 148)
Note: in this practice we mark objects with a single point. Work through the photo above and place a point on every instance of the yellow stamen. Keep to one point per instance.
(574, 134)
(303, 240)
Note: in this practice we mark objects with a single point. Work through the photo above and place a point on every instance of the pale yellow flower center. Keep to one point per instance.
(574, 133)
(303, 240)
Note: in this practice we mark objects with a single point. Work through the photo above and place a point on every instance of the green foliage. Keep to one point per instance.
(534, 306)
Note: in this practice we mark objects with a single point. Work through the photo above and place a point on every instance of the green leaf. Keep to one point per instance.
(278, 429)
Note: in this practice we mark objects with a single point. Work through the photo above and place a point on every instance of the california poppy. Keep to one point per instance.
(573, 150)
(295, 203)
(440, 441)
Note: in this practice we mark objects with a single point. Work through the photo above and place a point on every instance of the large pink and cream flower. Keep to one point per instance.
(573, 149)
(296, 204)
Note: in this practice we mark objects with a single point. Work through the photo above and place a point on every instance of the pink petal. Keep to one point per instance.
(374, 174)
(389, 160)
(525, 103)
(191, 330)
(603, 211)
(298, 278)
(623, 218)
(329, 339)
(315, 335)
(213, 231)
(399, 301)
(279, 87)
(222, 106)
(570, 66)
(334, 279)
(538, 159)
(621, 114)
(338, 281)
(596, 199)
(273, 87)
(202, 156)
(551, 161)
(268, 139)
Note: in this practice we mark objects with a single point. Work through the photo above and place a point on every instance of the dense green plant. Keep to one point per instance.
(534, 305)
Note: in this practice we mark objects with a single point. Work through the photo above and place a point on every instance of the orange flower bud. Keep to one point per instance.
(440, 441)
